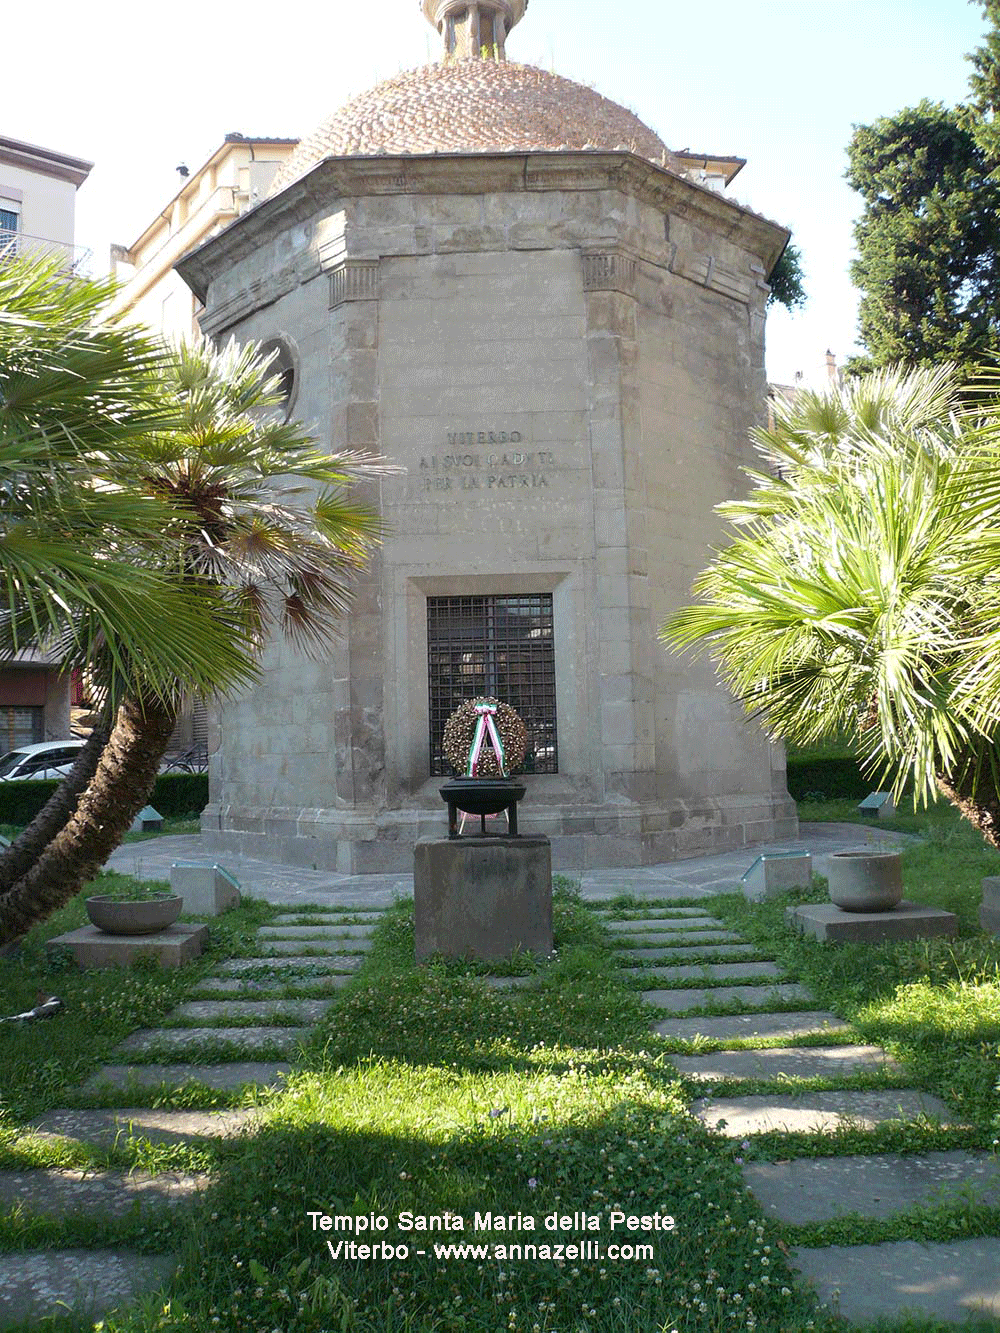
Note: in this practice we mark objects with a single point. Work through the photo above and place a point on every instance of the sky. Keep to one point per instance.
(138, 89)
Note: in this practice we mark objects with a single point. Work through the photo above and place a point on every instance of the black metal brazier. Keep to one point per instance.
(482, 797)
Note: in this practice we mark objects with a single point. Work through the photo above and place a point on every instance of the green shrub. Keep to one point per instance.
(837, 779)
(173, 794)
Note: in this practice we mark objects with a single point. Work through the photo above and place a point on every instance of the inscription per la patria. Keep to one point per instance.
(487, 460)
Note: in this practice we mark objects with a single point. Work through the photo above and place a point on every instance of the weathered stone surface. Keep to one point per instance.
(109, 1192)
(745, 1026)
(320, 964)
(328, 931)
(867, 1282)
(316, 946)
(684, 951)
(509, 983)
(989, 911)
(252, 988)
(817, 1189)
(40, 1283)
(652, 950)
(327, 918)
(814, 1112)
(908, 921)
(654, 925)
(786, 1062)
(482, 897)
(222, 1078)
(179, 1039)
(715, 971)
(677, 1001)
(173, 947)
(678, 914)
(104, 1128)
(207, 889)
(296, 1011)
(772, 874)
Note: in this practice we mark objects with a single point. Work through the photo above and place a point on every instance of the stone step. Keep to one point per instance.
(816, 1112)
(509, 983)
(819, 1189)
(181, 1039)
(261, 989)
(320, 964)
(663, 925)
(657, 949)
(226, 1077)
(745, 1026)
(328, 931)
(703, 950)
(327, 918)
(104, 1128)
(89, 1282)
(710, 971)
(762, 997)
(786, 1062)
(947, 1282)
(112, 1193)
(645, 914)
(316, 946)
(297, 1011)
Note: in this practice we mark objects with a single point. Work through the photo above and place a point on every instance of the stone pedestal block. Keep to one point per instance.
(989, 912)
(94, 948)
(908, 921)
(482, 897)
(773, 872)
(206, 888)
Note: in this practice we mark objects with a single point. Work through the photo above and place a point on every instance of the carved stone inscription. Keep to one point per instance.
(491, 461)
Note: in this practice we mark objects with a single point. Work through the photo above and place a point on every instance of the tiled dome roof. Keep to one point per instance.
(473, 106)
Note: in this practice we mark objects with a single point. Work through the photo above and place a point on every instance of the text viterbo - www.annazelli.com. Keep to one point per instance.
(586, 1250)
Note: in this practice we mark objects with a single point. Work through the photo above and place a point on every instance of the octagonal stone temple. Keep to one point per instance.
(511, 287)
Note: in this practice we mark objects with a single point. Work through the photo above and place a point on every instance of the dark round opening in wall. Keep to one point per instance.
(285, 365)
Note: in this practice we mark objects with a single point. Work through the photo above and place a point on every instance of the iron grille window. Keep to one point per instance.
(500, 646)
(21, 726)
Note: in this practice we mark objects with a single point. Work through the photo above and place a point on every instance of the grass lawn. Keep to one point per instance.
(425, 1093)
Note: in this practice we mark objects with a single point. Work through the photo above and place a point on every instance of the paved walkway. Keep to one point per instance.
(714, 991)
(698, 877)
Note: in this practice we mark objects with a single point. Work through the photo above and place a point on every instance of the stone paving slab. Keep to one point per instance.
(650, 914)
(786, 1062)
(509, 983)
(298, 1011)
(714, 971)
(816, 1112)
(677, 1001)
(318, 963)
(45, 1282)
(159, 1126)
(322, 947)
(326, 918)
(329, 930)
(250, 986)
(110, 1192)
(701, 950)
(947, 1282)
(663, 925)
(743, 1026)
(818, 1189)
(222, 1078)
(651, 950)
(180, 1039)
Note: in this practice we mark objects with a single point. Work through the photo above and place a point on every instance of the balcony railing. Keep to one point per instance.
(21, 243)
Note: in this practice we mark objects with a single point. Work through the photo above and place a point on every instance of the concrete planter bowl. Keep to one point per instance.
(865, 881)
(145, 916)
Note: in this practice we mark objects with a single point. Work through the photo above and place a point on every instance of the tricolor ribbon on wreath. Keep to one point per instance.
(486, 727)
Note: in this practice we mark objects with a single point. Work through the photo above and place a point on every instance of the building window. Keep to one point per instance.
(21, 726)
(285, 365)
(499, 646)
(10, 225)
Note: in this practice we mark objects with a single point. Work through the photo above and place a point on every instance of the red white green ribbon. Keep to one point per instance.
(486, 727)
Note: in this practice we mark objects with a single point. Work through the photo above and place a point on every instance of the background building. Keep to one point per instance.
(514, 288)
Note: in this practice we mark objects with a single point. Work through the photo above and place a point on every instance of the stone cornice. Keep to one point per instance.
(342, 178)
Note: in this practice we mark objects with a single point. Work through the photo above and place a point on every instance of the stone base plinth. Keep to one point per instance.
(95, 948)
(908, 921)
(482, 897)
(989, 912)
(207, 889)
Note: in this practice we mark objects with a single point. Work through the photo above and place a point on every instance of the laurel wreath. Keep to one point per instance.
(460, 731)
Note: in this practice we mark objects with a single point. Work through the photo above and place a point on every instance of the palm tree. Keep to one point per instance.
(858, 594)
(257, 532)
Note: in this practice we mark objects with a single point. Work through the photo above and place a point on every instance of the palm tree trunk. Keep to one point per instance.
(119, 789)
(24, 851)
(978, 802)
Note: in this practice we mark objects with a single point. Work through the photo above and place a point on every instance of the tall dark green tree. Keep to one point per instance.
(928, 241)
(980, 113)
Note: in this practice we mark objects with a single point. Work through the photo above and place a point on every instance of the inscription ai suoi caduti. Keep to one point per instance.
(486, 460)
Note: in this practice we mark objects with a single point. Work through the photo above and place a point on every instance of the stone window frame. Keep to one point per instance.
(286, 362)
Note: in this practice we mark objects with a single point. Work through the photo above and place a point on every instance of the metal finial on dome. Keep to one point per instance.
(474, 29)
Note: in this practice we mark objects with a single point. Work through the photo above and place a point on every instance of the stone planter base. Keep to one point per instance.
(907, 921)
(172, 947)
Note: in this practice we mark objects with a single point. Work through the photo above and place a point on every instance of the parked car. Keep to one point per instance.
(49, 759)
